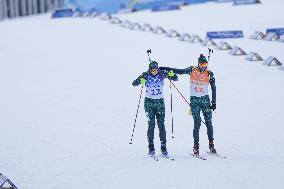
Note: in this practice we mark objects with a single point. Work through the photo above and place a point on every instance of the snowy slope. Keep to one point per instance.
(67, 109)
(198, 19)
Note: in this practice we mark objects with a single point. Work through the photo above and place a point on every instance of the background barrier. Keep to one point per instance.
(277, 31)
(246, 2)
(17, 8)
(225, 34)
(165, 8)
(128, 6)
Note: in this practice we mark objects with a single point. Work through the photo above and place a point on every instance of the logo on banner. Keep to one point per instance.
(152, 4)
(223, 1)
(62, 13)
(225, 34)
(245, 2)
(278, 31)
(165, 8)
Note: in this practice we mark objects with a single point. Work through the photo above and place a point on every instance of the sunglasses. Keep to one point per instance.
(203, 64)
(154, 70)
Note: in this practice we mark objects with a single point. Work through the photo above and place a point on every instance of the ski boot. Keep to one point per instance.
(151, 149)
(196, 149)
(211, 147)
(164, 149)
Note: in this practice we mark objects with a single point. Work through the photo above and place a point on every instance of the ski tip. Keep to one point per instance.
(168, 157)
(216, 154)
(154, 157)
(198, 156)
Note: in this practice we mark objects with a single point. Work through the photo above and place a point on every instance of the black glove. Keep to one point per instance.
(213, 106)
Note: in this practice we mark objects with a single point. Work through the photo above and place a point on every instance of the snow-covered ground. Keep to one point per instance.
(67, 105)
(200, 18)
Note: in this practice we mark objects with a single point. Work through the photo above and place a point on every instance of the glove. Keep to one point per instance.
(171, 73)
(213, 106)
(190, 112)
(142, 81)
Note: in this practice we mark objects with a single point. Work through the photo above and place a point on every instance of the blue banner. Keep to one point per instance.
(165, 8)
(62, 13)
(196, 1)
(150, 4)
(225, 34)
(112, 6)
(245, 2)
(223, 1)
(278, 31)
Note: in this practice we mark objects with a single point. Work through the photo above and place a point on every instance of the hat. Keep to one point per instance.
(153, 65)
(202, 58)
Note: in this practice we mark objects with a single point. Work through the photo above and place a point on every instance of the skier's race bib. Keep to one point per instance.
(154, 86)
(199, 82)
(198, 90)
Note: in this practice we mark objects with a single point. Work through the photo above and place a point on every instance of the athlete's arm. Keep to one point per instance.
(213, 87)
(166, 75)
(137, 81)
(178, 71)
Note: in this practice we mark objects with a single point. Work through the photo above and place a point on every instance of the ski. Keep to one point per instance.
(168, 157)
(217, 155)
(198, 156)
(154, 157)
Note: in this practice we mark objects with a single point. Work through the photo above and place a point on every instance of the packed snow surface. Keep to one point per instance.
(67, 105)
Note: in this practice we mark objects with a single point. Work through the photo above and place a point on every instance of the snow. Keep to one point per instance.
(67, 104)
(199, 19)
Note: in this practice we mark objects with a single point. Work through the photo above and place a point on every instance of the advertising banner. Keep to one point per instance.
(225, 34)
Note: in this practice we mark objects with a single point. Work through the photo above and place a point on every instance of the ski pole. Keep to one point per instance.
(180, 93)
(183, 97)
(136, 115)
(148, 52)
(210, 51)
(172, 110)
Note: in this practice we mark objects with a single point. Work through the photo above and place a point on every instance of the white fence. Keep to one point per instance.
(16, 8)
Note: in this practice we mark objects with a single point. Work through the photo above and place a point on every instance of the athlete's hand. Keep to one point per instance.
(171, 73)
(213, 106)
(142, 81)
